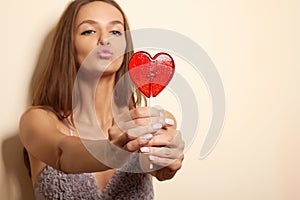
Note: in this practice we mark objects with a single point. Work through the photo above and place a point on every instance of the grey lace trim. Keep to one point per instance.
(53, 184)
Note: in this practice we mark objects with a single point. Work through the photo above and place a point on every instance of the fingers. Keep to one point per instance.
(167, 137)
(132, 130)
(137, 143)
(136, 129)
(163, 162)
(117, 137)
(172, 149)
(142, 121)
(142, 112)
(172, 164)
(143, 116)
(139, 131)
(162, 152)
(165, 149)
(124, 140)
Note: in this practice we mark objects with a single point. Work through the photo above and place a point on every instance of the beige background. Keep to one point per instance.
(255, 46)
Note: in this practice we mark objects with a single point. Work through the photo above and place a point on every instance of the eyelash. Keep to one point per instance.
(89, 32)
(118, 33)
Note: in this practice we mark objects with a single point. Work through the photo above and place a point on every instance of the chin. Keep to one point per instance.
(111, 70)
(113, 67)
(109, 73)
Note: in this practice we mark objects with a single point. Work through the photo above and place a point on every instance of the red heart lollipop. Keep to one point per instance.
(151, 75)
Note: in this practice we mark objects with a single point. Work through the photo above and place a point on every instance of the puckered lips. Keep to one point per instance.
(105, 53)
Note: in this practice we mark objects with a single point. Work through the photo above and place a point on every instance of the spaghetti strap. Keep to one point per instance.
(69, 126)
(71, 131)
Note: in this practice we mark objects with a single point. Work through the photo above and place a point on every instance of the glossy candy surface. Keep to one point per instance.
(151, 75)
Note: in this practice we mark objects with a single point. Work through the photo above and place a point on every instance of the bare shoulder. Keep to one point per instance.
(33, 110)
(36, 122)
(36, 115)
(39, 134)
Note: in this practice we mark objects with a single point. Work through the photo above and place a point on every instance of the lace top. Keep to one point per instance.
(53, 184)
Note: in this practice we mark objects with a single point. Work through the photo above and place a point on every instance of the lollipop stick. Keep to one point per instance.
(150, 100)
(150, 92)
(150, 103)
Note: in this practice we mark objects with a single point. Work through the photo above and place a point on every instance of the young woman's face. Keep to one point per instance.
(99, 30)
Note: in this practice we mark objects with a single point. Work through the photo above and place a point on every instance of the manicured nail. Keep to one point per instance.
(151, 166)
(157, 126)
(169, 121)
(151, 158)
(148, 136)
(145, 150)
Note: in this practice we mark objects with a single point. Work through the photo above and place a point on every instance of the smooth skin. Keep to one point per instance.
(47, 139)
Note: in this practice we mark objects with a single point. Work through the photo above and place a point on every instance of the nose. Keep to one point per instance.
(103, 41)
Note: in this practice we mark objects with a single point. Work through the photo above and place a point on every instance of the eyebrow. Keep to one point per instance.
(89, 21)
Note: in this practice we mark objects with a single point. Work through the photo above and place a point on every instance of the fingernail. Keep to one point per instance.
(148, 136)
(151, 166)
(145, 150)
(151, 158)
(169, 121)
(157, 126)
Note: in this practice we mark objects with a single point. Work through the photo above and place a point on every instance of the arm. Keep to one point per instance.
(41, 137)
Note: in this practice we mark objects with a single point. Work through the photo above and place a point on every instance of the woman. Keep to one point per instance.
(61, 167)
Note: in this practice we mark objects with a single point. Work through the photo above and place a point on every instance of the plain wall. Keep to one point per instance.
(255, 46)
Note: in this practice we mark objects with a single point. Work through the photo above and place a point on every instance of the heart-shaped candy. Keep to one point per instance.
(151, 75)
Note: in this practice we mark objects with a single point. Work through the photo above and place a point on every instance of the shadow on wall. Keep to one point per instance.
(18, 180)
(16, 172)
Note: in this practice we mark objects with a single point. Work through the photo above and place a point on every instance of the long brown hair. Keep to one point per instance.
(54, 85)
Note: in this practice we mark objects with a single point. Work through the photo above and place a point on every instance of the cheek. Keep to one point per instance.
(117, 62)
(82, 49)
(118, 45)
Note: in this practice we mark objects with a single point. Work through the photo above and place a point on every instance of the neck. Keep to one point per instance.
(104, 100)
(98, 93)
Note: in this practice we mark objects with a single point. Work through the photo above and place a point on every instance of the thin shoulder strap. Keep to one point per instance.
(69, 126)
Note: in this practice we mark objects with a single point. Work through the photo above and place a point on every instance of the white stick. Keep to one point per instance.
(150, 103)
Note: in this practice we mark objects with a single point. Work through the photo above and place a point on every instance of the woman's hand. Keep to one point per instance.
(165, 151)
(134, 129)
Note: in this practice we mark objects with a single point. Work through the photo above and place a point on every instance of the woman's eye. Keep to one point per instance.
(88, 32)
(116, 32)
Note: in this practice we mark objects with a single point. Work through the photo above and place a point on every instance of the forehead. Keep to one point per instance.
(99, 11)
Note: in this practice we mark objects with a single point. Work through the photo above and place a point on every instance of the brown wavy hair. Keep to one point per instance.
(53, 87)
